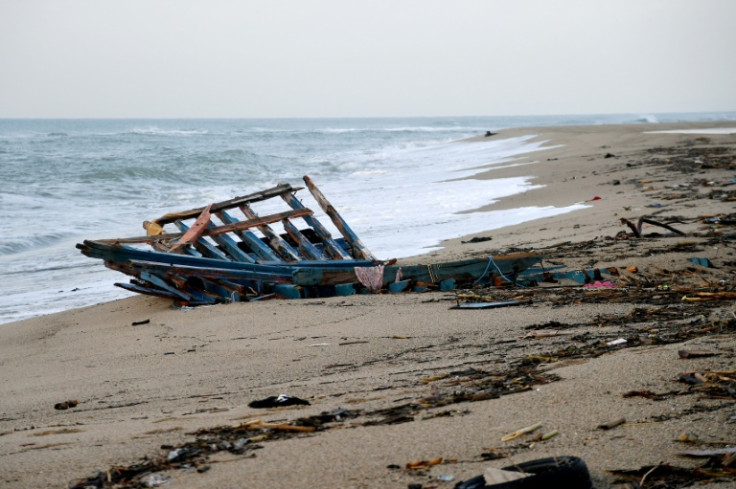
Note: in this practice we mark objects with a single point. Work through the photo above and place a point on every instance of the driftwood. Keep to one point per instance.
(612, 424)
(636, 228)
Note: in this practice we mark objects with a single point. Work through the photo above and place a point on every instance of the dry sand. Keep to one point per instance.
(141, 387)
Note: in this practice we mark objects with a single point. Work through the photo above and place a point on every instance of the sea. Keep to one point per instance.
(403, 184)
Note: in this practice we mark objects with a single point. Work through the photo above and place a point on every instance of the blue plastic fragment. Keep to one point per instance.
(704, 262)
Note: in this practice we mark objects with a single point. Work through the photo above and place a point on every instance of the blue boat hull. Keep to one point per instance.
(212, 256)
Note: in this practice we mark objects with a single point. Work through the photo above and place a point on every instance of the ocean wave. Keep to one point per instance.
(157, 131)
(401, 129)
(15, 244)
(21, 136)
(42, 268)
(364, 173)
(332, 130)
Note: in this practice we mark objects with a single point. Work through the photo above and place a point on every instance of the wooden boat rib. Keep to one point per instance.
(214, 256)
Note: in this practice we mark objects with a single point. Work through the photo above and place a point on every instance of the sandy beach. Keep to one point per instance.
(161, 394)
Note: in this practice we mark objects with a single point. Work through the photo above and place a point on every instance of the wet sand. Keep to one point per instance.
(403, 377)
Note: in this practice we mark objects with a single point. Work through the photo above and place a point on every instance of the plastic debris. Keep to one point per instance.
(563, 471)
(154, 480)
(499, 476)
(703, 262)
(175, 454)
(278, 401)
(598, 285)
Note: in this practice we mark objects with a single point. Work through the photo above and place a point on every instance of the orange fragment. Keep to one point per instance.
(420, 464)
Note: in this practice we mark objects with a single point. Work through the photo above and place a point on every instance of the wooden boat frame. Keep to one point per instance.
(215, 257)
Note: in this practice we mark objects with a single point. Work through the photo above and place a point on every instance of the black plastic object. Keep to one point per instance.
(278, 401)
(547, 473)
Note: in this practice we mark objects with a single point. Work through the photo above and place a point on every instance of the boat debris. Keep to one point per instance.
(213, 256)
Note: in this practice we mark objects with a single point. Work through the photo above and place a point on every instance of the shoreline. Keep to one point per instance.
(578, 176)
(146, 375)
(76, 292)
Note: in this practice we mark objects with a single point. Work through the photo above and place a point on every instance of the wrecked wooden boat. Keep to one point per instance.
(214, 256)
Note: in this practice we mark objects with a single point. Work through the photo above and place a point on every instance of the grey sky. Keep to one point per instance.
(322, 58)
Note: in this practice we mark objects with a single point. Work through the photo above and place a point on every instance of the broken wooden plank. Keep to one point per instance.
(359, 249)
(233, 225)
(331, 246)
(193, 233)
(228, 204)
(202, 245)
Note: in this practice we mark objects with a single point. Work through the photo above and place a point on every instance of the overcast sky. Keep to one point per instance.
(345, 58)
